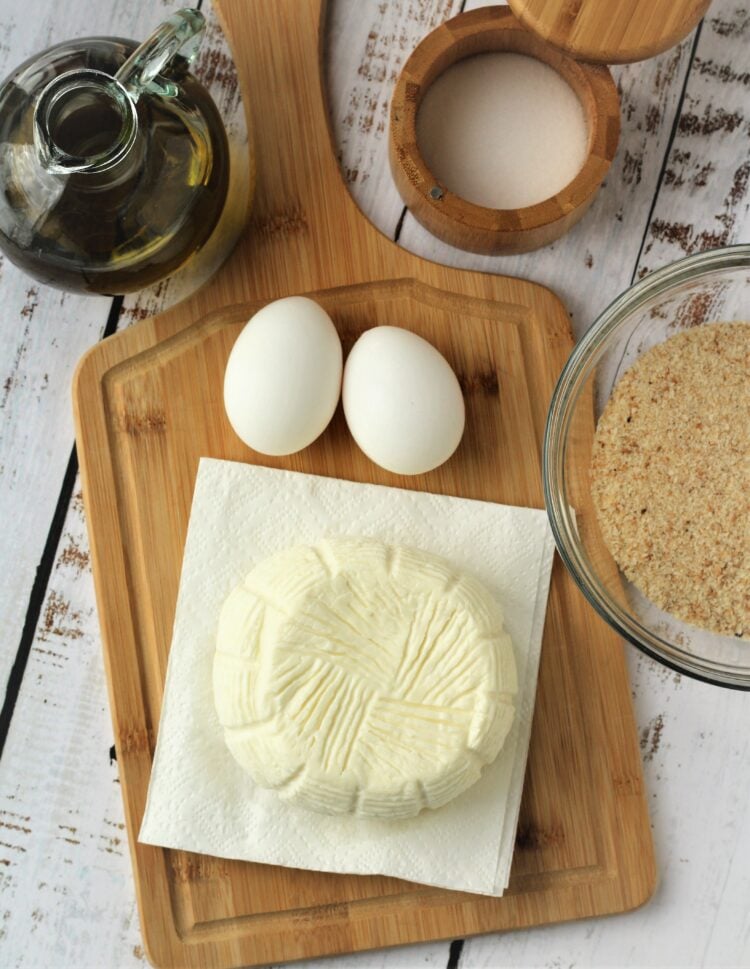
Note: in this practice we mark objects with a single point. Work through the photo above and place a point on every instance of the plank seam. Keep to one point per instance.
(44, 570)
(400, 224)
(454, 953)
(36, 598)
(668, 150)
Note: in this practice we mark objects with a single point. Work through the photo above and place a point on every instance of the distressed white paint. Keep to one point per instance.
(66, 891)
(705, 197)
(365, 55)
(72, 904)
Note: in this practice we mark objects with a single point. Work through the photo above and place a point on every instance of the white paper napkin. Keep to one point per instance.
(200, 800)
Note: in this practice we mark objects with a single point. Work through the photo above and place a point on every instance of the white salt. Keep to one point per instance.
(502, 130)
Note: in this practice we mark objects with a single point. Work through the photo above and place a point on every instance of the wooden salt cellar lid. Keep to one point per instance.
(610, 31)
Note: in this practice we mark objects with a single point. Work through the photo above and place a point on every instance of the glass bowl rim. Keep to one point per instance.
(576, 371)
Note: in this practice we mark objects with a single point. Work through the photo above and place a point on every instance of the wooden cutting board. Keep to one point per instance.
(148, 404)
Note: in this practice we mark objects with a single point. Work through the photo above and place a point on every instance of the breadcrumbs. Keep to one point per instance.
(671, 476)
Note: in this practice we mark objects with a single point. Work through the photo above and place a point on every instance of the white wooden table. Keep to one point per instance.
(679, 184)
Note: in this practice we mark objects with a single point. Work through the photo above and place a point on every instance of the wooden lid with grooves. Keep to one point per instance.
(610, 31)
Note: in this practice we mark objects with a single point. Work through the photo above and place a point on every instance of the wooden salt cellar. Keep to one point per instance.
(591, 31)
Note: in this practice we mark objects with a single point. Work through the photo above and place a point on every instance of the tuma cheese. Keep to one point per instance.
(359, 678)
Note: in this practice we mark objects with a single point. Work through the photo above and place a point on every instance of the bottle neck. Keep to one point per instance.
(85, 121)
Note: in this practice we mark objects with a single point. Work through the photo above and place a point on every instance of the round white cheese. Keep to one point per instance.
(359, 678)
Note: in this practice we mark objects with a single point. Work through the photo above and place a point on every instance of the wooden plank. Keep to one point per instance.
(586, 847)
(38, 350)
(704, 197)
(367, 45)
(64, 863)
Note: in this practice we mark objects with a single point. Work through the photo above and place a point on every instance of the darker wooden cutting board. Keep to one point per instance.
(148, 404)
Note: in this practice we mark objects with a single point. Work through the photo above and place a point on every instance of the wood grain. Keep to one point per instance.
(475, 227)
(148, 405)
(605, 33)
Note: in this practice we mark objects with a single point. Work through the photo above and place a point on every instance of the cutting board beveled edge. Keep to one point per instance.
(326, 246)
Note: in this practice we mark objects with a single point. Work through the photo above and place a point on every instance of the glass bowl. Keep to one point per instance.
(710, 287)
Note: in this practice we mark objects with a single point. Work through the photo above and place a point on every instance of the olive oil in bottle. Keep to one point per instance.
(114, 165)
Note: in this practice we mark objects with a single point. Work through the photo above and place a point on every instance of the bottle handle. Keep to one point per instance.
(181, 33)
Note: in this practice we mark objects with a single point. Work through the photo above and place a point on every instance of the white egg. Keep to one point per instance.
(402, 401)
(283, 376)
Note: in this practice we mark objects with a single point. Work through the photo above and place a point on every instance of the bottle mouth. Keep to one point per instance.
(84, 121)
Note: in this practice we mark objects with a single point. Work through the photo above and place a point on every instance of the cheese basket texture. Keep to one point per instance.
(148, 405)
